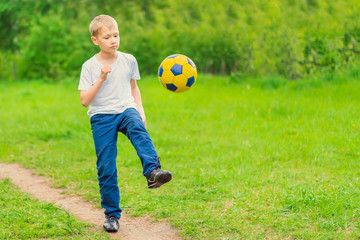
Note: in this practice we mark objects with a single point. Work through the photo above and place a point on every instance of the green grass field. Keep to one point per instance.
(258, 159)
(25, 218)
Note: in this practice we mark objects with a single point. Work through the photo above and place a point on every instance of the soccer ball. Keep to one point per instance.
(177, 73)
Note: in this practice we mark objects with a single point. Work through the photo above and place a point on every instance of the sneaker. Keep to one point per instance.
(157, 178)
(111, 224)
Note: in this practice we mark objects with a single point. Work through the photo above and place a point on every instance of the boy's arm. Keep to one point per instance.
(87, 96)
(135, 92)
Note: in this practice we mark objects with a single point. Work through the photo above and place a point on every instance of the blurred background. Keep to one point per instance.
(50, 40)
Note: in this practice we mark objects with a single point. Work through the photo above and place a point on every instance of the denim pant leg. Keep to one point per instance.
(104, 129)
(132, 126)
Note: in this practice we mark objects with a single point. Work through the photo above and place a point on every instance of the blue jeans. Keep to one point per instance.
(105, 128)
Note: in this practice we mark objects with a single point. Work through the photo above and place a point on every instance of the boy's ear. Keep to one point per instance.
(93, 39)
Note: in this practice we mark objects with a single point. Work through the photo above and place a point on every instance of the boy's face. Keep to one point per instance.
(107, 39)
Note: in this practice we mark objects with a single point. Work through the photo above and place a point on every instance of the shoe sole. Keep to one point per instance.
(164, 178)
(110, 231)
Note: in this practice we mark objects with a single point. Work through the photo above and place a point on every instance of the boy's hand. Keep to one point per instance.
(105, 70)
(143, 118)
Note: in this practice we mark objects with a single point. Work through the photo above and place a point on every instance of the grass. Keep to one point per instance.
(255, 159)
(25, 218)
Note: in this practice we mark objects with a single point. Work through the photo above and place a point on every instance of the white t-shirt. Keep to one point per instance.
(114, 95)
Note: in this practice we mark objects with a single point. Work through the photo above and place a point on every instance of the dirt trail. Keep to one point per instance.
(130, 228)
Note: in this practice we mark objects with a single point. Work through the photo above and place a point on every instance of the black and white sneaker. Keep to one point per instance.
(111, 224)
(158, 177)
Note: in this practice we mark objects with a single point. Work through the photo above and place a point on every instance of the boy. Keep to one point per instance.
(108, 86)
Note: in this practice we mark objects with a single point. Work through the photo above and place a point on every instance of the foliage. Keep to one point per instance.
(291, 38)
(259, 159)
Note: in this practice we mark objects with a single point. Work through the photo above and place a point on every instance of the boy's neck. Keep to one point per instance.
(107, 58)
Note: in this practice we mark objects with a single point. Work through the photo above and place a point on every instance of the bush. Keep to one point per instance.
(47, 48)
(7, 66)
(291, 38)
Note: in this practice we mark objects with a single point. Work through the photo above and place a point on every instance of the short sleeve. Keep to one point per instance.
(85, 79)
(135, 74)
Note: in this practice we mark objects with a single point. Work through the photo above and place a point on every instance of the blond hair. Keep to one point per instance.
(100, 21)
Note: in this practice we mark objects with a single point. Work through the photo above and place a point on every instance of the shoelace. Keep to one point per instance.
(112, 218)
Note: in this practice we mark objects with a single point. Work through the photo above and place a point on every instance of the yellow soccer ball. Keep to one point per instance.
(177, 73)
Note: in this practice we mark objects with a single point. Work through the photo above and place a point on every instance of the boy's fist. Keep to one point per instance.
(105, 70)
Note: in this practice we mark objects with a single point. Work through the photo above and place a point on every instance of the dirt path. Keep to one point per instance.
(130, 228)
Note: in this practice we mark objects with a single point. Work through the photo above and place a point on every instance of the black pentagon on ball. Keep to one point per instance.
(190, 81)
(161, 70)
(176, 69)
(171, 87)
